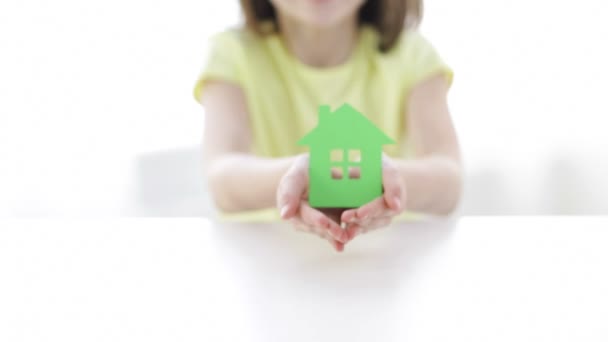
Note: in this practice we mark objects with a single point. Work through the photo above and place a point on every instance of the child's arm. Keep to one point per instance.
(241, 181)
(433, 179)
(237, 179)
(431, 182)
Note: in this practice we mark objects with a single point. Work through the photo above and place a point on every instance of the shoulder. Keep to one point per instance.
(412, 44)
(225, 58)
(231, 40)
(242, 47)
(411, 47)
(237, 40)
(418, 58)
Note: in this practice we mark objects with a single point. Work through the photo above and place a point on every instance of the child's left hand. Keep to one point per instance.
(380, 212)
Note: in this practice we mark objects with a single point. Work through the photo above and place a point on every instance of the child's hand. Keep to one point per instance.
(380, 212)
(293, 205)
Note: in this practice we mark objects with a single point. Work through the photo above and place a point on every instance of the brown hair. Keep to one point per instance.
(389, 17)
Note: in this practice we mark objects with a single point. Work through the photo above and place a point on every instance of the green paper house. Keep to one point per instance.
(345, 159)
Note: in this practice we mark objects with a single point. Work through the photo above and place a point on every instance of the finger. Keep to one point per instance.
(302, 227)
(356, 229)
(322, 232)
(392, 183)
(376, 224)
(382, 222)
(339, 246)
(371, 209)
(314, 217)
(387, 213)
(299, 225)
(349, 216)
(290, 193)
(352, 231)
(318, 231)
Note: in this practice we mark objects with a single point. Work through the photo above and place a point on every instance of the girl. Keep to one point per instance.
(263, 83)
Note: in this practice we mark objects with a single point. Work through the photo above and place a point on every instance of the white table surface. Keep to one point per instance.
(472, 279)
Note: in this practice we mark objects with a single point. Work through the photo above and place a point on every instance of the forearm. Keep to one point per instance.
(433, 184)
(240, 182)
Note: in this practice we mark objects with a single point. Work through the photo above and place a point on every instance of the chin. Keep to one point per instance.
(326, 18)
(322, 2)
(319, 13)
(323, 22)
(325, 13)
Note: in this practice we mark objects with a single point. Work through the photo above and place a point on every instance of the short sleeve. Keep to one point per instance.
(222, 61)
(422, 60)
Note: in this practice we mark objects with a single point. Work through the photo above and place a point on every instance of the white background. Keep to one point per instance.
(525, 279)
(87, 88)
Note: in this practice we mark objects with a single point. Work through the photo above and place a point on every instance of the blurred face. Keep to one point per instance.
(318, 13)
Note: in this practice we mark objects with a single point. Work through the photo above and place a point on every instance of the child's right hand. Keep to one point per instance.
(293, 205)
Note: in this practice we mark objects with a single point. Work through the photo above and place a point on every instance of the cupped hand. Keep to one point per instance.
(380, 212)
(293, 205)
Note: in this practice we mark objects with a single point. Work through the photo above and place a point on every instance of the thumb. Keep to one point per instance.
(393, 191)
(291, 190)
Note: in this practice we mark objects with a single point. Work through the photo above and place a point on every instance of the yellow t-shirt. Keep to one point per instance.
(283, 94)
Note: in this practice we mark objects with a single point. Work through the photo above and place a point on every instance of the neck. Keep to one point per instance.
(320, 47)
